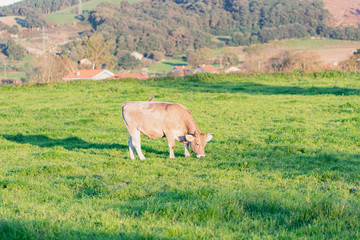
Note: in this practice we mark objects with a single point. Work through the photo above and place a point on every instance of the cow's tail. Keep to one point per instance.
(150, 98)
(123, 106)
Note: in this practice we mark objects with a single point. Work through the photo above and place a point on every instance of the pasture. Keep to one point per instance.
(284, 162)
(65, 16)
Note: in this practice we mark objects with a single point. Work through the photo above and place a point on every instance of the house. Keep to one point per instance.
(85, 62)
(180, 71)
(137, 55)
(233, 70)
(129, 75)
(92, 74)
(206, 69)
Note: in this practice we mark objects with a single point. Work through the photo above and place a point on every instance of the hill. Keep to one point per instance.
(344, 12)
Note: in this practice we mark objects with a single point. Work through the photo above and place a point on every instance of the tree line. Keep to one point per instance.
(172, 27)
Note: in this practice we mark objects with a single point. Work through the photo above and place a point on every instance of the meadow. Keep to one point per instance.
(65, 16)
(284, 162)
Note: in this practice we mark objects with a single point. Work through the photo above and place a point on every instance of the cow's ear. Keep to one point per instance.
(189, 137)
(208, 137)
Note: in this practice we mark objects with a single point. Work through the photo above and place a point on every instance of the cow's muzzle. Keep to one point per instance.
(200, 155)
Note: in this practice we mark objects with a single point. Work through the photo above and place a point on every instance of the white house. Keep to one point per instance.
(233, 70)
(92, 74)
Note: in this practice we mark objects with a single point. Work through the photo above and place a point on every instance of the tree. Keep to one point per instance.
(156, 56)
(14, 29)
(200, 56)
(127, 61)
(14, 51)
(51, 68)
(34, 19)
(97, 49)
(229, 57)
(238, 39)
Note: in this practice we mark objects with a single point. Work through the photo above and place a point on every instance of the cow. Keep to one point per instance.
(163, 119)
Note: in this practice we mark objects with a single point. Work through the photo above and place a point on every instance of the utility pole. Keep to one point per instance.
(5, 70)
(221, 60)
(43, 37)
(80, 7)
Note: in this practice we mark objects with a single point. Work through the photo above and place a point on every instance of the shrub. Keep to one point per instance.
(14, 51)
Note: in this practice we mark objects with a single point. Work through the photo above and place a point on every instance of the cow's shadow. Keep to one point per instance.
(70, 143)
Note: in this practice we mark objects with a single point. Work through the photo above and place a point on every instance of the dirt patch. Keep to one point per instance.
(54, 37)
(334, 56)
(12, 20)
(344, 12)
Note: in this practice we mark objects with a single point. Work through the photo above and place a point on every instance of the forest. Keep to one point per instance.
(173, 26)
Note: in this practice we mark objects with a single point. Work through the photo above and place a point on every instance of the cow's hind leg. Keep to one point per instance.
(135, 136)
(131, 148)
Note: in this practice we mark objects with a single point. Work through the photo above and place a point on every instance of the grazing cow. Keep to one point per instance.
(163, 119)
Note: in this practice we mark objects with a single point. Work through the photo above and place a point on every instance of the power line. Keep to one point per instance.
(80, 7)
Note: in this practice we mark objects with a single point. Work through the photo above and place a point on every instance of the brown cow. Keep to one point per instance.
(163, 119)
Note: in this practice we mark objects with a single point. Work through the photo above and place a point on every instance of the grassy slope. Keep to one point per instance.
(168, 64)
(316, 44)
(283, 159)
(66, 17)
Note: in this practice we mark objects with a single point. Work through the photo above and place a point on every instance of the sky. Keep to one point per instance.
(7, 2)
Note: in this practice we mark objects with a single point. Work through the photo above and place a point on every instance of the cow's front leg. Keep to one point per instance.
(171, 143)
(187, 153)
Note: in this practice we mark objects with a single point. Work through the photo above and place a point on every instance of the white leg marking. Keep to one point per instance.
(171, 143)
(187, 153)
(131, 148)
(136, 143)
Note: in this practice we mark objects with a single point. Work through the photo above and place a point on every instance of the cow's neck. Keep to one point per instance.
(192, 126)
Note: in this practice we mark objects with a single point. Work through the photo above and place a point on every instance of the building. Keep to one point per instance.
(85, 62)
(137, 55)
(129, 75)
(180, 71)
(92, 74)
(233, 70)
(206, 69)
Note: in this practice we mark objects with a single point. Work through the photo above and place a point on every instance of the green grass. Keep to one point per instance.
(284, 162)
(13, 75)
(314, 44)
(66, 17)
(168, 64)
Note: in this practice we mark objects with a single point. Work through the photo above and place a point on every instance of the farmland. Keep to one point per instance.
(67, 17)
(284, 161)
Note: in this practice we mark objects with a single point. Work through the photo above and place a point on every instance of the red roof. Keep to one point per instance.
(208, 68)
(130, 75)
(182, 69)
(84, 74)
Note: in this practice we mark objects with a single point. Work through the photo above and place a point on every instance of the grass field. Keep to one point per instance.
(12, 20)
(284, 162)
(315, 44)
(66, 17)
(168, 64)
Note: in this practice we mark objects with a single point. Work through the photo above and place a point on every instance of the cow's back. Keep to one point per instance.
(154, 119)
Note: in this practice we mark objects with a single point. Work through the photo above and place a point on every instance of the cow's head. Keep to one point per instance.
(198, 142)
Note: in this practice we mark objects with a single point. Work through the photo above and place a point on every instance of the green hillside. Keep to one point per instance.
(284, 162)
